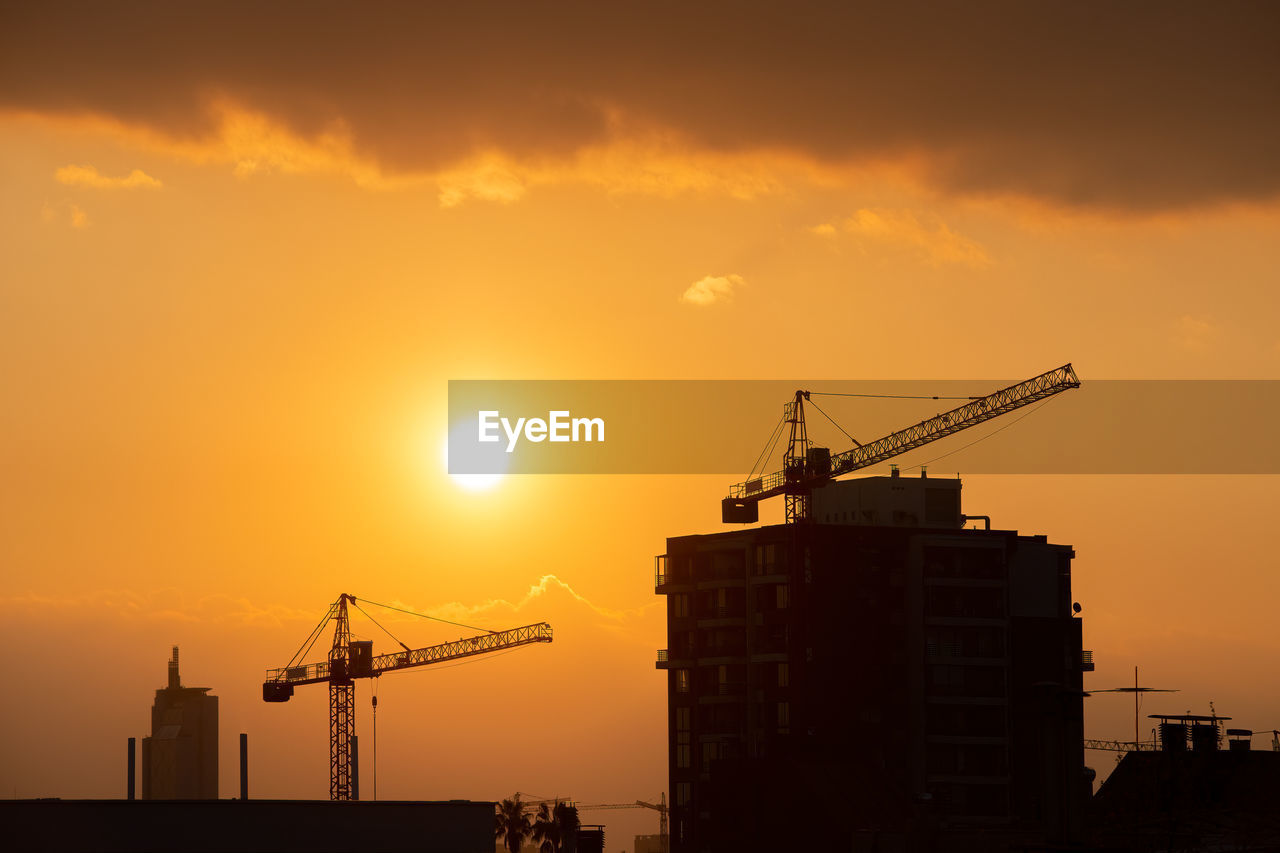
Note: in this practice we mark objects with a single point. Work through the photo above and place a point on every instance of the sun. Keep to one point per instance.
(470, 482)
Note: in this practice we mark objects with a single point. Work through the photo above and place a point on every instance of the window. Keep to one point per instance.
(682, 681)
(711, 751)
(946, 676)
(783, 593)
(680, 605)
(784, 675)
(684, 752)
(784, 716)
(965, 602)
(727, 564)
(766, 558)
(684, 793)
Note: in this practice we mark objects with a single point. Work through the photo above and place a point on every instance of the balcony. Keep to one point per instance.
(1086, 660)
(660, 574)
(662, 661)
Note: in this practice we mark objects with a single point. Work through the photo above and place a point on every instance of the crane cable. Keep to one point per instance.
(379, 624)
(324, 620)
(902, 397)
(768, 447)
(892, 396)
(985, 437)
(425, 616)
(771, 443)
(311, 639)
(833, 421)
(774, 446)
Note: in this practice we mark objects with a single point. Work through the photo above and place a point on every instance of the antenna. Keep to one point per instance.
(1136, 691)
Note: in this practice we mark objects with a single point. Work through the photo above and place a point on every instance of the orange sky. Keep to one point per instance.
(242, 256)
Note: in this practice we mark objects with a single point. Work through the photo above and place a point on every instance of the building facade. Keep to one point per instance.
(881, 664)
(180, 758)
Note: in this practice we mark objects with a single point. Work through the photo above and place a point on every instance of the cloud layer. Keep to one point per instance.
(711, 289)
(88, 176)
(929, 237)
(1141, 105)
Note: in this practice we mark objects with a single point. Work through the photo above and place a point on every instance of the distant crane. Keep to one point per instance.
(805, 467)
(351, 659)
(660, 807)
(1120, 745)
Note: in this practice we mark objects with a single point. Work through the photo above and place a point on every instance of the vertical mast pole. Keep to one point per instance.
(795, 462)
(342, 706)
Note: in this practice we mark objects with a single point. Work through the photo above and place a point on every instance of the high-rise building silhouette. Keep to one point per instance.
(180, 758)
(878, 678)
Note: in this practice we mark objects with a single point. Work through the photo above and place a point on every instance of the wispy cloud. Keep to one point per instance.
(928, 236)
(88, 176)
(171, 605)
(64, 212)
(711, 289)
(538, 593)
(161, 605)
(1196, 334)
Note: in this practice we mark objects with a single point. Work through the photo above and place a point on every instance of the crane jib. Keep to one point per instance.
(319, 672)
(940, 426)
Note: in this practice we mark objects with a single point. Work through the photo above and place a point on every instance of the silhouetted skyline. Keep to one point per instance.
(245, 250)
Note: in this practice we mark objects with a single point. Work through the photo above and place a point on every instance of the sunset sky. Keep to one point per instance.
(244, 247)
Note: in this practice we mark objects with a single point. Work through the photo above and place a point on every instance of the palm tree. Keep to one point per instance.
(554, 825)
(512, 824)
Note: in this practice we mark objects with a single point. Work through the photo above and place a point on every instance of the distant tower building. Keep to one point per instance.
(879, 678)
(180, 759)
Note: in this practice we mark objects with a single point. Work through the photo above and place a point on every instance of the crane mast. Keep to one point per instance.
(342, 706)
(806, 467)
(351, 659)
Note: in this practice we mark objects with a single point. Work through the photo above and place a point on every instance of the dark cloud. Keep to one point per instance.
(1133, 105)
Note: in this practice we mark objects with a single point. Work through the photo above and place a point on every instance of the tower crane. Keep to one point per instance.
(351, 659)
(660, 807)
(1119, 745)
(805, 467)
